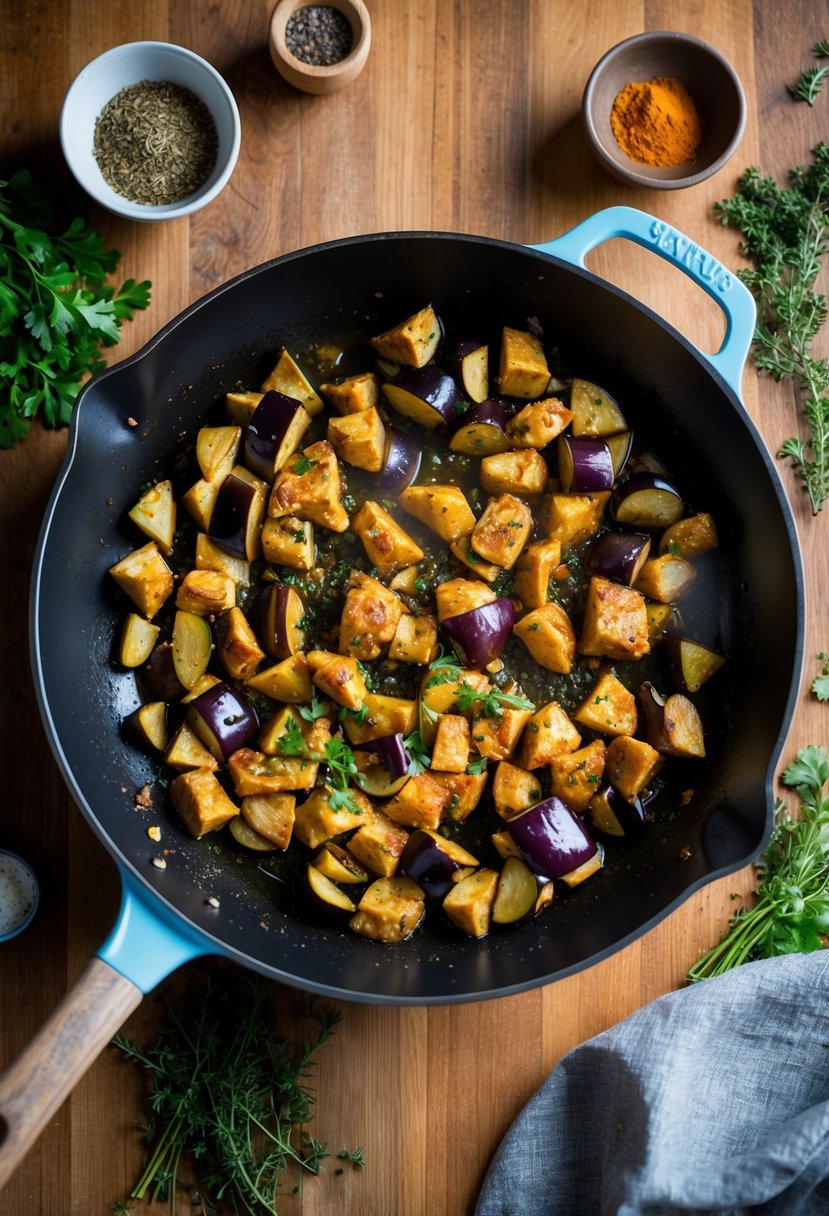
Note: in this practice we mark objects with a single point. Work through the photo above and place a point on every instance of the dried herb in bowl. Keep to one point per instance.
(155, 142)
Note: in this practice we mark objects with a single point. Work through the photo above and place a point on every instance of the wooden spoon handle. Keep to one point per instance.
(35, 1085)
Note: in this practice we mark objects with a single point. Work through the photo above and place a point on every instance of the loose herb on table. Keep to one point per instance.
(786, 234)
(820, 684)
(791, 909)
(56, 309)
(230, 1093)
(810, 82)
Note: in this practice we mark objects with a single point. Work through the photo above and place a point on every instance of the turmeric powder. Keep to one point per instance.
(656, 122)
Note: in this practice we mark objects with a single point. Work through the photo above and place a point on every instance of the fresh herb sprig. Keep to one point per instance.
(489, 704)
(791, 909)
(786, 233)
(810, 82)
(229, 1093)
(820, 684)
(56, 309)
(336, 755)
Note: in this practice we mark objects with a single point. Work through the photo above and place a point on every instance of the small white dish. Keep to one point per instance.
(19, 895)
(129, 64)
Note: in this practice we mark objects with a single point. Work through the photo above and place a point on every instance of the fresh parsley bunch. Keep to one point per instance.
(791, 911)
(56, 309)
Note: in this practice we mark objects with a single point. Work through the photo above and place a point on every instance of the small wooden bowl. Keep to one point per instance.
(307, 76)
(710, 80)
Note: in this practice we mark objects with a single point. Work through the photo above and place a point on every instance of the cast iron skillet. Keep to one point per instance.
(687, 403)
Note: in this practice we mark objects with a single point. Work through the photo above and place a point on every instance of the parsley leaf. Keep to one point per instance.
(57, 310)
(313, 711)
(476, 767)
(490, 704)
(791, 909)
(820, 684)
(291, 741)
(418, 753)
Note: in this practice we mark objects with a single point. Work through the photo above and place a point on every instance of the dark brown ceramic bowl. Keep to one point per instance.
(708, 77)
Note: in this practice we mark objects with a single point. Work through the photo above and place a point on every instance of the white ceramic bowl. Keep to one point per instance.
(128, 64)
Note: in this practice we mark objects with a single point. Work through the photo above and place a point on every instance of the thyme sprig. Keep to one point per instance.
(791, 909)
(786, 233)
(228, 1092)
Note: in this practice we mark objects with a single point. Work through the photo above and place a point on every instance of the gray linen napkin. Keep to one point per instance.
(711, 1100)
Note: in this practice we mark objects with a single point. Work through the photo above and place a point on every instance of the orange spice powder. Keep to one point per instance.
(656, 122)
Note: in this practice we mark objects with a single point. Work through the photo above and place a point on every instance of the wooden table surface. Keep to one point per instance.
(466, 118)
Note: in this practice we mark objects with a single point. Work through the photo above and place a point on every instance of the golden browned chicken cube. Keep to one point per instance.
(444, 509)
(524, 472)
(533, 572)
(450, 751)
(523, 370)
(145, 577)
(239, 652)
(575, 776)
(309, 486)
(369, 618)
(502, 531)
(390, 910)
(201, 802)
(548, 635)
(615, 622)
(388, 546)
(609, 708)
(288, 541)
(415, 639)
(420, 803)
(359, 439)
(548, 733)
(630, 765)
(538, 424)
(514, 789)
(413, 342)
(353, 394)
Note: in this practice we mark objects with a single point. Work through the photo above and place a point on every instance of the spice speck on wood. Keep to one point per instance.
(319, 34)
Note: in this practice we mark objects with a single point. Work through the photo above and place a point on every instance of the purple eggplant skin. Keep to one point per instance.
(618, 556)
(401, 461)
(585, 465)
(493, 413)
(273, 608)
(319, 899)
(268, 426)
(551, 838)
(662, 500)
(480, 635)
(614, 818)
(222, 719)
(435, 390)
(393, 755)
(229, 518)
(158, 676)
(427, 860)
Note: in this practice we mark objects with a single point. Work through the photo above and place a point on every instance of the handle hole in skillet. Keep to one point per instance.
(663, 288)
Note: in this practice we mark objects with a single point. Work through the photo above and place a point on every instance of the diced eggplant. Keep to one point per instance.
(155, 515)
(248, 837)
(672, 725)
(552, 839)
(158, 675)
(618, 556)
(615, 817)
(691, 663)
(401, 461)
(339, 865)
(482, 431)
(138, 637)
(274, 433)
(192, 647)
(516, 898)
(621, 446)
(470, 363)
(585, 465)
(646, 500)
(236, 517)
(480, 635)
(217, 449)
(427, 395)
(318, 898)
(412, 342)
(223, 720)
(432, 860)
(374, 778)
(594, 410)
(271, 816)
(146, 727)
(280, 610)
(391, 750)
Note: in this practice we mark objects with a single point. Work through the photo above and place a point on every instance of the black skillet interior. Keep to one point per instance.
(751, 608)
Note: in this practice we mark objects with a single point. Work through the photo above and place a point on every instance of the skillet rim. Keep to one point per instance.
(127, 864)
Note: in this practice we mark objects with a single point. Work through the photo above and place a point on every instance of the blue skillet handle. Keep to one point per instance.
(148, 941)
(721, 284)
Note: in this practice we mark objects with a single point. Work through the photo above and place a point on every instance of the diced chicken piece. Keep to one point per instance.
(309, 486)
(609, 708)
(388, 546)
(549, 733)
(353, 394)
(575, 776)
(359, 439)
(444, 509)
(523, 370)
(369, 619)
(390, 910)
(145, 577)
(413, 342)
(534, 571)
(538, 424)
(502, 531)
(615, 622)
(201, 802)
(549, 636)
